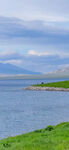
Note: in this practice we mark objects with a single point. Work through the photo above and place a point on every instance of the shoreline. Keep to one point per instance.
(36, 88)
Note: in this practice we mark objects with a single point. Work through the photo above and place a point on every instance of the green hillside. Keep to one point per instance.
(50, 138)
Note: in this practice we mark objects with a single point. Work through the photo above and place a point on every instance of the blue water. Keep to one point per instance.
(24, 111)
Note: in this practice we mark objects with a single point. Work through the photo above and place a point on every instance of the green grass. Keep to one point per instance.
(50, 138)
(62, 84)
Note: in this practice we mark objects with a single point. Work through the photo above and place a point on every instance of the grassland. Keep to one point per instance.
(50, 138)
(62, 84)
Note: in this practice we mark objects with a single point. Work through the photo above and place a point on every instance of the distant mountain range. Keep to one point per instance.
(9, 69)
(62, 73)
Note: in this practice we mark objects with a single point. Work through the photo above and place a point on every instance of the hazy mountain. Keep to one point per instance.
(61, 73)
(12, 69)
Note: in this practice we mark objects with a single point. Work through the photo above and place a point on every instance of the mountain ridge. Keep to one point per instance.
(13, 69)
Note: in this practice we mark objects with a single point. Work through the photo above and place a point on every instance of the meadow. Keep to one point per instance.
(61, 84)
(49, 138)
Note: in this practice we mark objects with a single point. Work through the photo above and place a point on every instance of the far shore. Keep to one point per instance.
(46, 88)
(55, 86)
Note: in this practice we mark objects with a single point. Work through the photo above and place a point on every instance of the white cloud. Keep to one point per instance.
(46, 53)
(13, 61)
(36, 53)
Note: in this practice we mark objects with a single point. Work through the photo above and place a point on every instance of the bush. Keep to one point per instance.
(49, 128)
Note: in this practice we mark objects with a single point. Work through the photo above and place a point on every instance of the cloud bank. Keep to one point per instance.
(40, 35)
(35, 34)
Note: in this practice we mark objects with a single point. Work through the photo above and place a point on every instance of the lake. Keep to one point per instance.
(24, 111)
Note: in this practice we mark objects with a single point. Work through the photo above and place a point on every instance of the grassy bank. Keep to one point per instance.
(50, 138)
(62, 84)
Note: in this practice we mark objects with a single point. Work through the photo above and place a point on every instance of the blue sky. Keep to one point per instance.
(34, 34)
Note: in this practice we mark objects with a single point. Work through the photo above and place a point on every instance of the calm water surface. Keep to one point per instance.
(24, 111)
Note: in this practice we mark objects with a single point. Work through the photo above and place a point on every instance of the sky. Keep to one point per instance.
(34, 34)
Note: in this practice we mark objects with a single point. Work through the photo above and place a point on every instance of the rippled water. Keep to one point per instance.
(23, 111)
